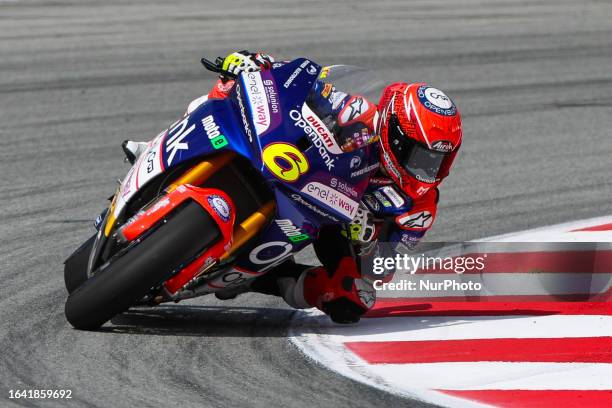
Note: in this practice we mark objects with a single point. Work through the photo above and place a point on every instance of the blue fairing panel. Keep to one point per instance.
(210, 128)
(266, 120)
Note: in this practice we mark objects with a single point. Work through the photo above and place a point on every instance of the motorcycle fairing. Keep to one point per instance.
(269, 100)
(262, 112)
(186, 139)
(287, 234)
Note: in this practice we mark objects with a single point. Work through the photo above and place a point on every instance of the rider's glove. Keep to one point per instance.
(362, 230)
(245, 61)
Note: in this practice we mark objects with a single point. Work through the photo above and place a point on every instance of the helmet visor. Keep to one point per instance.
(418, 160)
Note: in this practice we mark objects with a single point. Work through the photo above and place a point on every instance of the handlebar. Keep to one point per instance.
(216, 67)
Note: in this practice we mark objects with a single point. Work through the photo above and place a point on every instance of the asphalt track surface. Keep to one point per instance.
(532, 79)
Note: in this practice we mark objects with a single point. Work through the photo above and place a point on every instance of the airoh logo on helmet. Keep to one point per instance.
(443, 146)
(436, 101)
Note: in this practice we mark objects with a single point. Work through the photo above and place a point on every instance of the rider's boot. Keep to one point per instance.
(341, 294)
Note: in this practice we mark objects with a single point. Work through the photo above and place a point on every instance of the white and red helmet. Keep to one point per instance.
(420, 134)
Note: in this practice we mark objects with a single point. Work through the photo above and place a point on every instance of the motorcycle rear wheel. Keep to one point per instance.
(119, 284)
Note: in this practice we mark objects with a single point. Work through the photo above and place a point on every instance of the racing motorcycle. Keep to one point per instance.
(223, 195)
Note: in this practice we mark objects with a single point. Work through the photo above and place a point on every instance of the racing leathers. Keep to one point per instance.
(339, 287)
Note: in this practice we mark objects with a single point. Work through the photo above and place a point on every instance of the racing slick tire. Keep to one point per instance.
(75, 267)
(120, 283)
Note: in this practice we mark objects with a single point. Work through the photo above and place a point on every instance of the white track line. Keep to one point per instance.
(338, 358)
(419, 381)
(559, 233)
(497, 376)
(472, 327)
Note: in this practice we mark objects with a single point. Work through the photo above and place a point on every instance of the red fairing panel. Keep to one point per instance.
(216, 203)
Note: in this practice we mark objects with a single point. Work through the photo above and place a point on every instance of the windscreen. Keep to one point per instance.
(339, 98)
(353, 80)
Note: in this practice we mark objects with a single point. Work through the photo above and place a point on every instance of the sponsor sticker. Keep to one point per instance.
(259, 101)
(318, 133)
(334, 199)
(220, 206)
(326, 90)
(382, 199)
(217, 139)
(444, 146)
(272, 98)
(176, 135)
(321, 130)
(355, 162)
(393, 195)
(380, 181)
(428, 180)
(324, 72)
(232, 277)
(312, 70)
(269, 252)
(245, 121)
(343, 187)
(297, 72)
(272, 95)
(436, 101)
(291, 231)
(365, 170)
(298, 198)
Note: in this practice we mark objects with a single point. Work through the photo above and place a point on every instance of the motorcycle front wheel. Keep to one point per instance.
(121, 282)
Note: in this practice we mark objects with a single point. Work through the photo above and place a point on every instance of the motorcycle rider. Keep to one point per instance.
(418, 129)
